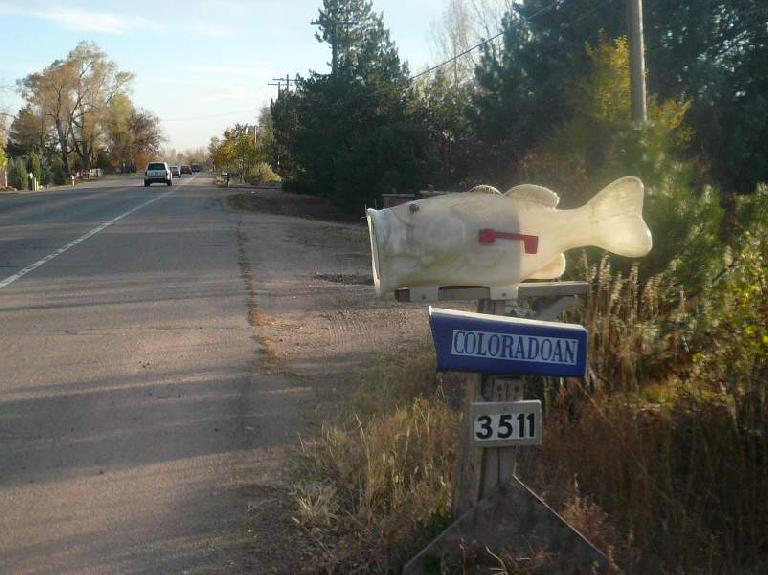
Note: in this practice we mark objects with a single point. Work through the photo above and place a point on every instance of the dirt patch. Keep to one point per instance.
(313, 290)
(348, 279)
(313, 306)
(272, 201)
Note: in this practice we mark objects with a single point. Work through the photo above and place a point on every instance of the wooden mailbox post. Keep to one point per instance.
(498, 349)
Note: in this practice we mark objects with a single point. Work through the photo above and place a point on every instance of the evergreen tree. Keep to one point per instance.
(523, 84)
(347, 135)
(17, 173)
(34, 166)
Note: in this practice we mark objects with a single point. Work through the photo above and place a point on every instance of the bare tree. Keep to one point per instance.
(463, 24)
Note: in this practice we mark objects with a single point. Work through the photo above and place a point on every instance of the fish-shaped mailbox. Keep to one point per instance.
(489, 239)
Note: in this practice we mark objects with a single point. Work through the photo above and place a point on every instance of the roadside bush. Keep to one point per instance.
(676, 392)
(17, 173)
(58, 174)
(46, 177)
(262, 172)
(35, 166)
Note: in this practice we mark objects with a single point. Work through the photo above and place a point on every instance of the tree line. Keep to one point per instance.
(369, 127)
(78, 116)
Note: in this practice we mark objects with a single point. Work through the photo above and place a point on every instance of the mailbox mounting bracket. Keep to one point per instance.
(523, 291)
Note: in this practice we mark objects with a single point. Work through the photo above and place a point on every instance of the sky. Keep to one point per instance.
(200, 65)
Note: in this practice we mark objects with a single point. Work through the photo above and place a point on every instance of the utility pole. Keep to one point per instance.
(279, 83)
(637, 62)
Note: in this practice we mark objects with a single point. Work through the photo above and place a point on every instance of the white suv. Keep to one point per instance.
(158, 172)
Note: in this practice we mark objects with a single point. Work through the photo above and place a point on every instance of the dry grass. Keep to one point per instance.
(659, 457)
(377, 484)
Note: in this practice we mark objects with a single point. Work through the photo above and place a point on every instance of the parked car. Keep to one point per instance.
(175, 172)
(186, 170)
(195, 168)
(158, 172)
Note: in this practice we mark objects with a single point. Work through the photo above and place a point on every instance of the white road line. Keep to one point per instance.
(9, 280)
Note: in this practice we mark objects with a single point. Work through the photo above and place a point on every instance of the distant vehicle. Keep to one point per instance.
(186, 170)
(175, 172)
(195, 168)
(158, 172)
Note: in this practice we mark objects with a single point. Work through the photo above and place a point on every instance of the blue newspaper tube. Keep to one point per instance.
(499, 345)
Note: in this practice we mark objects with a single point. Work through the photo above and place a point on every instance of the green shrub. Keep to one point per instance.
(262, 172)
(58, 173)
(46, 175)
(17, 173)
(35, 166)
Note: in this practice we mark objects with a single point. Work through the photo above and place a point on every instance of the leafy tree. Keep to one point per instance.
(145, 134)
(712, 52)
(599, 143)
(716, 53)
(74, 96)
(58, 172)
(240, 150)
(522, 85)
(50, 91)
(29, 133)
(267, 135)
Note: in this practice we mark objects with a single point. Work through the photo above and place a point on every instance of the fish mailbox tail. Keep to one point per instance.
(615, 217)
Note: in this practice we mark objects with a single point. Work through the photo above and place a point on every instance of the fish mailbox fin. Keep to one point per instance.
(535, 194)
(483, 189)
(616, 216)
(553, 269)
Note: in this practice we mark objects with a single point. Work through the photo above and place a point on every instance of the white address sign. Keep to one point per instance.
(495, 424)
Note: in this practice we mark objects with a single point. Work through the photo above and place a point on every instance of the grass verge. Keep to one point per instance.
(376, 485)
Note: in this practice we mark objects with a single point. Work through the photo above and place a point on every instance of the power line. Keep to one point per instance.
(479, 44)
(456, 57)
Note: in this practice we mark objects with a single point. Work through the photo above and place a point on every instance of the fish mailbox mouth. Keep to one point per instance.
(374, 222)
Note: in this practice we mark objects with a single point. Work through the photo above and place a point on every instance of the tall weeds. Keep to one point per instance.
(667, 436)
(375, 489)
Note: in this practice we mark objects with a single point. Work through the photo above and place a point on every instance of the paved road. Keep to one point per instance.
(131, 426)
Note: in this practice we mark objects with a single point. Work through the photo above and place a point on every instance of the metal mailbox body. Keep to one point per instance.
(490, 344)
